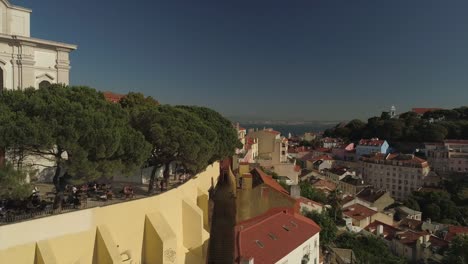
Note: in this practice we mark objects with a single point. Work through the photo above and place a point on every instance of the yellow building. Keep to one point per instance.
(172, 227)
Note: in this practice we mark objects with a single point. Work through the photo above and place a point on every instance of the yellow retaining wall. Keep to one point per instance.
(167, 228)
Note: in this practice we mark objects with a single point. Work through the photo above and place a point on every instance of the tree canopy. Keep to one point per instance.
(84, 136)
(328, 229)
(190, 136)
(457, 252)
(368, 249)
(433, 126)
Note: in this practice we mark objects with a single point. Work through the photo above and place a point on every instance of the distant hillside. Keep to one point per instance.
(433, 126)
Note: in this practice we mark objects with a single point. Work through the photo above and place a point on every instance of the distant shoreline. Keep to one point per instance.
(294, 129)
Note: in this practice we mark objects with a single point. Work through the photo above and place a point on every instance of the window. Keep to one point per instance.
(44, 84)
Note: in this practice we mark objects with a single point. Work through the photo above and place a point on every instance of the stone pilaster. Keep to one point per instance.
(63, 66)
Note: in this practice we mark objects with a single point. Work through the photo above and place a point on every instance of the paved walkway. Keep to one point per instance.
(222, 227)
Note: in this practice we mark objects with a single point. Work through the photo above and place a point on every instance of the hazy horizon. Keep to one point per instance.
(294, 60)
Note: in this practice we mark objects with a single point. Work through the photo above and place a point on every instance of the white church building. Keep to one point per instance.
(26, 61)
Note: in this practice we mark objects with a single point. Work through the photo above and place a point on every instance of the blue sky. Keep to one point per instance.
(295, 59)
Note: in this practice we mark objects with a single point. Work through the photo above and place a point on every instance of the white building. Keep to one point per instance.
(399, 174)
(26, 61)
(278, 236)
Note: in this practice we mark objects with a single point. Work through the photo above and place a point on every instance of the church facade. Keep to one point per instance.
(26, 61)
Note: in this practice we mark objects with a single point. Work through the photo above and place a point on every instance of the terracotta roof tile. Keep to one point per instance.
(371, 142)
(268, 180)
(389, 231)
(324, 184)
(113, 97)
(454, 231)
(358, 212)
(269, 237)
(422, 111)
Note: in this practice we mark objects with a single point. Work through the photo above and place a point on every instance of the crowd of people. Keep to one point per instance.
(72, 196)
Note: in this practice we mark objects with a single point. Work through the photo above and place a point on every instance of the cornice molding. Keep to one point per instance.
(9, 5)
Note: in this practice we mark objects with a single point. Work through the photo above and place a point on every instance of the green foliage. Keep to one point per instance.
(439, 206)
(13, 183)
(335, 211)
(368, 249)
(408, 127)
(309, 192)
(328, 229)
(187, 135)
(284, 185)
(226, 140)
(457, 253)
(75, 127)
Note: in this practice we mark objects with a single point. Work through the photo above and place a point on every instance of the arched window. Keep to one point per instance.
(44, 84)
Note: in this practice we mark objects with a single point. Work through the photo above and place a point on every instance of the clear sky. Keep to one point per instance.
(288, 59)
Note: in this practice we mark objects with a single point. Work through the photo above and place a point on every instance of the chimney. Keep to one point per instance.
(426, 238)
(379, 230)
(237, 126)
(295, 191)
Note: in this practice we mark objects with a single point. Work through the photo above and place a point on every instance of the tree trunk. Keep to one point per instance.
(58, 188)
(152, 179)
(166, 173)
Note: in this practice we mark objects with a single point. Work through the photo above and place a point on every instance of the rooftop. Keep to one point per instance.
(268, 180)
(422, 111)
(371, 142)
(358, 212)
(269, 237)
(370, 194)
(324, 184)
(389, 231)
(407, 160)
(113, 97)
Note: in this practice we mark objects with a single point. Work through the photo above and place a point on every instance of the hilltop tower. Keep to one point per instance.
(392, 111)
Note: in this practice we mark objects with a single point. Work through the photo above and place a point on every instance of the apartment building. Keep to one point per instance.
(400, 174)
(449, 156)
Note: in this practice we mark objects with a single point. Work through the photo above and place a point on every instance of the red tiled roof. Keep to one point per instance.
(113, 97)
(409, 236)
(265, 238)
(347, 199)
(422, 111)
(454, 231)
(325, 150)
(324, 184)
(358, 211)
(388, 230)
(268, 180)
(412, 224)
(437, 242)
(371, 142)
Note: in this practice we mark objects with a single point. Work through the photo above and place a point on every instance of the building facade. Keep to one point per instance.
(26, 61)
(448, 157)
(399, 174)
(369, 146)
